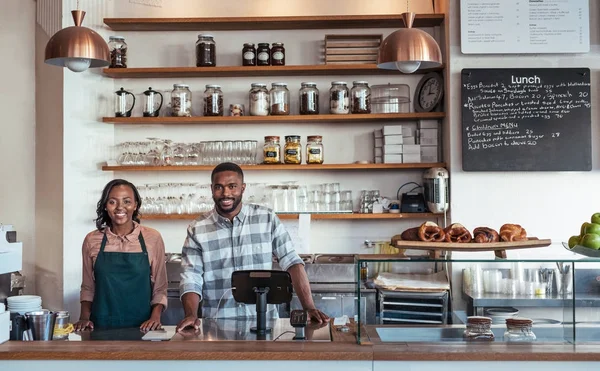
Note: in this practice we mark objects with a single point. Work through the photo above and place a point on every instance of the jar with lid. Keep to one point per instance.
(309, 99)
(249, 55)
(519, 330)
(292, 152)
(263, 54)
(272, 150)
(259, 100)
(339, 98)
(314, 149)
(479, 328)
(181, 101)
(118, 52)
(280, 99)
(206, 51)
(213, 101)
(277, 54)
(361, 97)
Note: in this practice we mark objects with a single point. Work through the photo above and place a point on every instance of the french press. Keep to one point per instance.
(150, 100)
(121, 103)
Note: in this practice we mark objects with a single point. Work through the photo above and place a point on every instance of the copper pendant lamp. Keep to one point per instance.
(409, 49)
(77, 48)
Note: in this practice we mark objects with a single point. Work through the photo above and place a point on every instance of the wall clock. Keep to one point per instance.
(429, 92)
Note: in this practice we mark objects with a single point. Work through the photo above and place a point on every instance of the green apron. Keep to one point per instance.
(123, 288)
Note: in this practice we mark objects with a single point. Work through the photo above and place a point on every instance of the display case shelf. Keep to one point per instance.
(281, 167)
(313, 216)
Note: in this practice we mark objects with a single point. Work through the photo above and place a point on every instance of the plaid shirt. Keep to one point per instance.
(215, 248)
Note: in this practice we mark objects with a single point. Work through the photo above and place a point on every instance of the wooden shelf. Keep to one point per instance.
(291, 216)
(270, 23)
(281, 167)
(344, 119)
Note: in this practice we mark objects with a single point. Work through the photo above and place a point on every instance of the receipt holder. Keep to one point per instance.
(261, 287)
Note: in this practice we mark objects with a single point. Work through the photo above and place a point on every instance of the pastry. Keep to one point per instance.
(411, 234)
(512, 232)
(431, 232)
(456, 232)
(485, 234)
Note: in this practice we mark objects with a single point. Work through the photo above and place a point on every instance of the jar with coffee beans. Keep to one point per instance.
(360, 97)
(263, 54)
(118, 52)
(181, 101)
(280, 99)
(277, 54)
(206, 51)
(249, 55)
(339, 98)
(213, 101)
(258, 100)
(309, 98)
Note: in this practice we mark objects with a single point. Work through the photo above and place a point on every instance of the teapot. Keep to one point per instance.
(121, 103)
(150, 109)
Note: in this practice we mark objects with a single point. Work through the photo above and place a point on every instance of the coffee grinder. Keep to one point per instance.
(436, 187)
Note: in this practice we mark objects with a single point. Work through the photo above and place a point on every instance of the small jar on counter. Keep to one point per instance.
(213, 101)
(206, 51)
(181, 101)
(339, 98)
(258, 100)
(309, 99)
(292, 152)
(280, 99)
(272, 150)
(118, 52)
(249, 55)
(314, 149)
(361, 97)
(277, 54)
(263, 54)
(479, 328)
(519, 330)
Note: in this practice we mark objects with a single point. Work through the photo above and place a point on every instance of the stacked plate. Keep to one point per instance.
(24, 303)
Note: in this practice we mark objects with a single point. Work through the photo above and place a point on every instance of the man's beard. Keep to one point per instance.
(234, 205)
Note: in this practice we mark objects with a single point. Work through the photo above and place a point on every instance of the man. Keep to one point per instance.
(231, 237)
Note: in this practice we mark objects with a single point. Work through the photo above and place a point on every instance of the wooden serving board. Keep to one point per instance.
(499, 248)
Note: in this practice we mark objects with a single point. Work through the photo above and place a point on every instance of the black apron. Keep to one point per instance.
(123, 288)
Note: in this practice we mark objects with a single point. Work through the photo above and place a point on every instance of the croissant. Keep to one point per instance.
(411, 234)
(456, 232)
(512, 232)
(485, 234)
(431, 232)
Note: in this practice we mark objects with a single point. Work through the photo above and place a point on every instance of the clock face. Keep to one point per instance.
(429, 92)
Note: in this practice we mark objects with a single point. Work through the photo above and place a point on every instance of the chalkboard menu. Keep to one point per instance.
(526, 119)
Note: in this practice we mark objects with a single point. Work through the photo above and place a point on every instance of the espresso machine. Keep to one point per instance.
(11, 260)
(436, 187)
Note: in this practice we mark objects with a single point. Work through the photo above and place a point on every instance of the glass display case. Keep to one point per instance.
(420, 299)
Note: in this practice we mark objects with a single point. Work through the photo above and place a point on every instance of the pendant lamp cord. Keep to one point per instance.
(77, 4)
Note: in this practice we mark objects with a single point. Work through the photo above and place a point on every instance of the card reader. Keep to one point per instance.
(299, 320)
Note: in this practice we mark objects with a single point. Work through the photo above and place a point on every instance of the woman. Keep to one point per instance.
(124, 272)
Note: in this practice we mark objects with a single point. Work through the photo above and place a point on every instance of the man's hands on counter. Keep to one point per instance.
(84, 324)
(189, 323)
(317, 316)
(152, 324)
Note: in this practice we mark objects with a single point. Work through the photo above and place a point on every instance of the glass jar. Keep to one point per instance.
(277, 54)
(309, 99)
(519, 330)
(292, 150)
(280, 99)
(339, 98)
(181, 101)
(263, 55)
(206, 51)
(118, 52)
(259, 100)
(479, 328)
(213, 101)
(272, 150)
(361, 97)
(314, 149)
(249, 55)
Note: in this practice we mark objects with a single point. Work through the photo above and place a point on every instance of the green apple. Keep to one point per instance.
(574, 240)
(592, 228)
(591, 240)
(583, 227)
(596, 218)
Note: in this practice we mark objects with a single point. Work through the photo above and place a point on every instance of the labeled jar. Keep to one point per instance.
(338, 98)
(280, 99)
(272, 150)
(309, 99)
(314, 149)
(263, 54)
(249, 55)
(519, 330)
(277, 54)
(206, 51)
(292, 152)
(213, 101)
(118, 52)
(181, 101)
(258, 100)
(479, 328)
(361, 97)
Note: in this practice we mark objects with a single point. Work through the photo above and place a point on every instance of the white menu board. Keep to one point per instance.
(525, 26)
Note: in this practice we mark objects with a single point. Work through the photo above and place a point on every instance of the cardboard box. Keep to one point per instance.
(392, 139)
(411, 149)
(378, 133)
(412, 158)
(378, 151)
(392, 130)
(391, 149)
(379, 159)
(407, 131)
(429, 124)
(409, 140)
(430, 153)
(379, 142)
(392, 159)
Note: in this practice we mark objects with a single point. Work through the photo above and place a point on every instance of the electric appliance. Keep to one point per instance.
(413, 203)
(436, 185)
